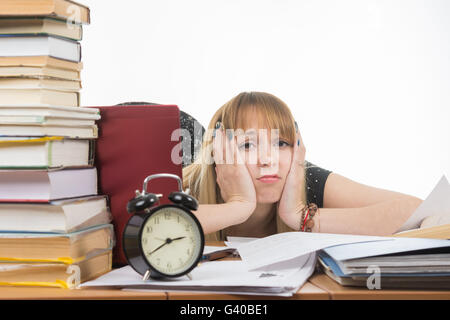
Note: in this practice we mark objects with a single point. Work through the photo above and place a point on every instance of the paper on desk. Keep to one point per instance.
(394, 245)
(211, 249)
(289, 245)
(220, 276)
(235, 241)
(437, 203)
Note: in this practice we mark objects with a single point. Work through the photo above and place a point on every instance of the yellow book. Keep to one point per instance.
(65, 248)
(58, 275)
(45, 152)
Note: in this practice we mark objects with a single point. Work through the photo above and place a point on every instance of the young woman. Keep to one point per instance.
(252, 180)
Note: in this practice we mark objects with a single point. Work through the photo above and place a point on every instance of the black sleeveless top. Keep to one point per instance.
(315, 183)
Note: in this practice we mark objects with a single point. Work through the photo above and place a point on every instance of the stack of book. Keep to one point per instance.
(55, 230)
(396, 263)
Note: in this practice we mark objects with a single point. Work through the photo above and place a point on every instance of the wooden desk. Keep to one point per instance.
(307, 292)
(35, 293)
(319, 287)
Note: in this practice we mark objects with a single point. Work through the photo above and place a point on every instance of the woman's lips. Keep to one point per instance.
(269, 179)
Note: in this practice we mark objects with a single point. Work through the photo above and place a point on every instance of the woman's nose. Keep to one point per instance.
(264, 155)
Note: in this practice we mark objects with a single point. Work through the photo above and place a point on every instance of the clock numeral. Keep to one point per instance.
(187, 227)
(156, 220)
(145, 240)
(167, 215)
(178, 219)
(188, 251)
(149, 229)
(169, 266)
(192, 239)
(158, 261)
(180, 261)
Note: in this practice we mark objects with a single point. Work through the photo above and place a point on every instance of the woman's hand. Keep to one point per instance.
(233, 178)
(292, 199)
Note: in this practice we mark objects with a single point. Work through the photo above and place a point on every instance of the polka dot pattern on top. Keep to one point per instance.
(315, 183)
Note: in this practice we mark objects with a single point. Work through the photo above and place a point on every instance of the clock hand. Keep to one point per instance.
(167, 241)
(160, 246)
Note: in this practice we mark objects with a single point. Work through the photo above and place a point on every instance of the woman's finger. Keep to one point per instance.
(218, 147)
(298, 156)
(230, 147)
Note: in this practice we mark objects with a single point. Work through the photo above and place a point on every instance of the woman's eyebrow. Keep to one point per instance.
(250, 132)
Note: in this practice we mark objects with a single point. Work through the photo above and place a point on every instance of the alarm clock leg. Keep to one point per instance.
(189, 276)
(146, 275)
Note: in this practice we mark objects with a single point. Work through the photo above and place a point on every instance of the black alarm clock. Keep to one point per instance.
(163, 241)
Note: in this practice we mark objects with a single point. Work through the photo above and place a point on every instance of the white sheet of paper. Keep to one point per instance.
(395, 245)
(289, 245)
(437, 203)
(220, 276)
(210, 249)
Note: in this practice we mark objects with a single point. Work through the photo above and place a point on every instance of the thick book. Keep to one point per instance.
(25, 97)
(56, 216)
(48, 115)
(38, 72)
(401, 263)
(40, 83)
(51, 111)
(64, 9)
(12, 46)
(135, 142)
(82, 132)
(40, 26)
(41, 247)
(56, 275)
(46, 120)
(46, 185)
(40, 62)
(45, 152)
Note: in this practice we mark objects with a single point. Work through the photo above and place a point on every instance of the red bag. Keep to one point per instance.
(134, 142)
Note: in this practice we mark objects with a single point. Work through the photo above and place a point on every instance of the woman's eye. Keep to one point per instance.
(247, 145)
(282, 143)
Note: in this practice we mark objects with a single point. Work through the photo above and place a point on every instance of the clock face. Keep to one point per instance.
(171, 241)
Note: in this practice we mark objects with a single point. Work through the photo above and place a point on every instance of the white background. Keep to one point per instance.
(368, 81)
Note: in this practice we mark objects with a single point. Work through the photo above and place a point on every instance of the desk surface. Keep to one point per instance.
(319, 287)
(307, 292)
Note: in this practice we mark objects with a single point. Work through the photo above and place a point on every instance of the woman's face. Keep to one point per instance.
(268, 160)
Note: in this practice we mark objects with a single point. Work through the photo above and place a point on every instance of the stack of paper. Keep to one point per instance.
(221, 277)
(398, 263)
(281, 275)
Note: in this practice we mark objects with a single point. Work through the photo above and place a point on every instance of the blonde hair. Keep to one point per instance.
(200, 176)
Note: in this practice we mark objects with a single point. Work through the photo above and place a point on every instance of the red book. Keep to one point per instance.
(135, 142)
